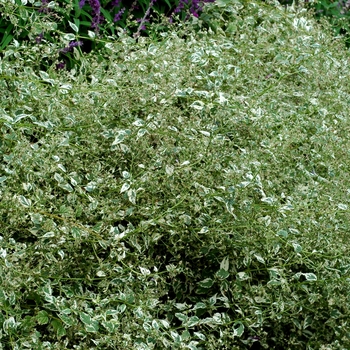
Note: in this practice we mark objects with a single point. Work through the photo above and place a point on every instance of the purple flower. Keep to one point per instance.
(134, 6)
(71, 45)
(39, 38)
(44, 8)
(118, 16)
(115, 3)
(96, 13)
(95, 5)
(60, 65)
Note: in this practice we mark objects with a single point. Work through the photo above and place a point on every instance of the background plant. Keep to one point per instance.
(87, 24)
(336, 12)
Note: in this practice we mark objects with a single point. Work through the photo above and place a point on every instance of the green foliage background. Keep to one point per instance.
(188, 193)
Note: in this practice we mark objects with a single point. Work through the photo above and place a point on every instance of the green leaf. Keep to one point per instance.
(206, 283)
(238, 329)
(185, 335)
(125, 187)
(6, 40)
(74, 27)
(42, 317)
(225, 263)
(199, 335)
(199, 305)
(90, 324)
(259, 258)
(9, 325)
(310, 276)
(192, 321)
(181, 317)
(3, 179)
(242, 276)
(274, 283)
(66, 187)
(132, 196)
(297, 247)
(121, 136)
(58, 328)
(282, 233)
(222, 274)
(24, 201)
(91, 34)
(68, 320)
(69, 36)
(110, 326)
(176, 336)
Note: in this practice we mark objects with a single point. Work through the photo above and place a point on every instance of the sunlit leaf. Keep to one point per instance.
(206, 283)
(24, 201)
(42, 317)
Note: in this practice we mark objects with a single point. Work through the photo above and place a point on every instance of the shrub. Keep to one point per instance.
(179, 194)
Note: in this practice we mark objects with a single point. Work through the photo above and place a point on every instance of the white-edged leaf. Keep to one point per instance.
(122, 134)
(310, 276)
(242, 276)
(206, 283)
(58, 178)
(10, 323)
(225, 263)
(62, 167)
(90, 186)
(74, 27)
(141, 133)
(25, 201)
(48, 235)
(66, 187)
(199, 305)
(3, 179)
(42, 317)
(259, 258)
(169, 169)
(181, 316)
(125, 187)
(222, 274)
(68, 320)
(90, 324)
(176, 336)
(164, 323)
(192, 321)
(3, 253)
(205, 133)
(144, 271)
(238, 329)
(126, 175)
(91, 34)
(69, 36)
(199, 335)
(132, 196)
(297, 247)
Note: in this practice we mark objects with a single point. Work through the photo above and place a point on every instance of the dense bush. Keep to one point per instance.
(180, 194)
